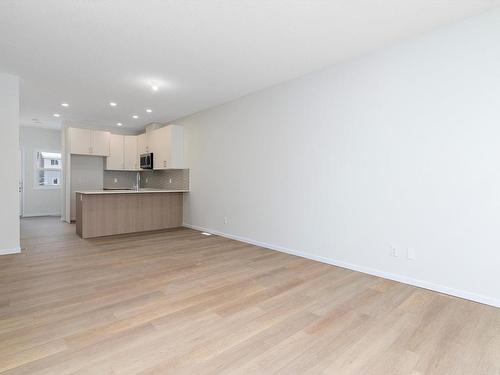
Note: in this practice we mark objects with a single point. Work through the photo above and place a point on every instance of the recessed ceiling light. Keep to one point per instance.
(65, 104)
(154, 85)
(112, 104)
(119, 124)
(149, 110)
(135, 116)
(56, 114)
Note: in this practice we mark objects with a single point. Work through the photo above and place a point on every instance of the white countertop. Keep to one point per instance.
(140, 191)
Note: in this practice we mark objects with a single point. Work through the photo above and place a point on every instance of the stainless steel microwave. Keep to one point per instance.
(147, 161)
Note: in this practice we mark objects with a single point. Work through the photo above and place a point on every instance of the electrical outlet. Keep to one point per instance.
(411, 255)
(394, 252)
(225, 219)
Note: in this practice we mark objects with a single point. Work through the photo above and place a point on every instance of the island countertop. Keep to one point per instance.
(129, 191)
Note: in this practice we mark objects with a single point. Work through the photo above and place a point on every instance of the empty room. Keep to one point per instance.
(250, 187)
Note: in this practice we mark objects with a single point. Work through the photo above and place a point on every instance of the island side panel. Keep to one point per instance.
(79, 214)
(108, 214)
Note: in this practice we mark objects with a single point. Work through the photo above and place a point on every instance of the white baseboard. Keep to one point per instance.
(371, 271)
(12, 250)
(41, 214)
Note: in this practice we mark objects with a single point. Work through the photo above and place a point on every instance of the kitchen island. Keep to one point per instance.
(108, 212)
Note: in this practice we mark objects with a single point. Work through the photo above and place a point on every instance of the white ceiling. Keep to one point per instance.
(205, 52)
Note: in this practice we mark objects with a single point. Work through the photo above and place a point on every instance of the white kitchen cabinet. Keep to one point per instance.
(130, 154)
(115, 159)
(88, 142)
(143, 146)
(167, 146)
(100, 142)
(80, 141)
(123, 153)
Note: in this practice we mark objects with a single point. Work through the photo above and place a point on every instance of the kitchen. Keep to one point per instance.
(123, 183)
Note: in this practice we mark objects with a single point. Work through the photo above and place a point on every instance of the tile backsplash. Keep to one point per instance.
(119, 179)
(174, 179)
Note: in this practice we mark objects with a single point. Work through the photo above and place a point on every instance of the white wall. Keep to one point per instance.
(86, 174)
(400, 147)
(39, 202)
(9, 164)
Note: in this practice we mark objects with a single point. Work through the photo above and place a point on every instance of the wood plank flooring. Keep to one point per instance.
(178, 302)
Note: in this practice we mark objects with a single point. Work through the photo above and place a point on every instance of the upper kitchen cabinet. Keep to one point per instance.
(167, 146)
(115, 159)
(100, 142)
(130, 153)
(143, 143)
(80, 141)
(88, 142)
(123, 153)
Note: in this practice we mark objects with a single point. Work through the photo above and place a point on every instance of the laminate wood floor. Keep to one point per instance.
(178, 302)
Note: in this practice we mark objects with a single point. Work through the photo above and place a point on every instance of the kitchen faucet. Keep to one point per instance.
(137, 181)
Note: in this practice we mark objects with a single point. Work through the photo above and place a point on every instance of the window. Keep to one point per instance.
(47, 169)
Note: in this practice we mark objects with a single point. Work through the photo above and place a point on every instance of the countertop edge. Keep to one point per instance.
(102, 192)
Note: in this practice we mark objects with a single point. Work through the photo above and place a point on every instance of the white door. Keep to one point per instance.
(21, 182)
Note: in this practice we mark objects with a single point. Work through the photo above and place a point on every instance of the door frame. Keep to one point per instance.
(21, 182)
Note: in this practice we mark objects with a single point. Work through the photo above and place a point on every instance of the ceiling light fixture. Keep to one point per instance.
(155, 85)
(119, 124)
(56, 114)
(65, 104)
(135, 116)
(149, 110)
(112, 104)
